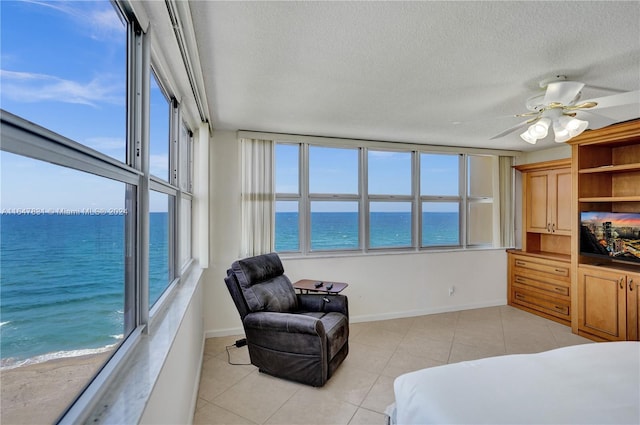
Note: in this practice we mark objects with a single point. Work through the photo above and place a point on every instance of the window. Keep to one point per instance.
(185, 182)
(368, 199)
(480, 189)
(334, 225)
(333, 198)
(390, 198)
(440, 199)
(160, 232)
(63, 279)
(333, 171)
(74, 193)
(287, 223)
(390, 224)
(160, 119)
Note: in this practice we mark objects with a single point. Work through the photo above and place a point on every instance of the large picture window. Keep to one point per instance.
(339, 199)
(96, 189)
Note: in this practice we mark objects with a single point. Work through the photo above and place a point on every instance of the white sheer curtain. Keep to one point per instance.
(258, 197)
(506, 201)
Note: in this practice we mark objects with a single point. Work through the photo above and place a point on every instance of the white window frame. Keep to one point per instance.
(462, 199)
(24, 138)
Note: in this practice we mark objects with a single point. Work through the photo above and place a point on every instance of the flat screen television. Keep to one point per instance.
(611, 236)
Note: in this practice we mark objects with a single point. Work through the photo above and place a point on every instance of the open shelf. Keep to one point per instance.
(611, 168)
(611, 199)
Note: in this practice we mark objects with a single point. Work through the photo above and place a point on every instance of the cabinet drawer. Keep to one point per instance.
(550, 288)
(539, 302)
(555, 269)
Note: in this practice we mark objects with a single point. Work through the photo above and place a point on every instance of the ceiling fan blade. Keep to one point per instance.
(596, 121)
(563, 92)
(514, 128)
(627, 98)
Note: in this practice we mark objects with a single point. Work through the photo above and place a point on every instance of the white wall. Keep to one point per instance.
(175, 393)
(560, 151)
(380, 286)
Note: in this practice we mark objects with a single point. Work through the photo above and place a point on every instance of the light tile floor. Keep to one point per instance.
(362, 387)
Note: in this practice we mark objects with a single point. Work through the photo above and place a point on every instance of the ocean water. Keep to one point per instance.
(339, 230)
(62, 283)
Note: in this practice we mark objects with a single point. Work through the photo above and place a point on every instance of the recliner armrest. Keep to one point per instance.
(317, 302)
(285, 322)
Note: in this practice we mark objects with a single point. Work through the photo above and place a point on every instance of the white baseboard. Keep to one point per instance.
(214, 333)
(223, 332)
(434, 310)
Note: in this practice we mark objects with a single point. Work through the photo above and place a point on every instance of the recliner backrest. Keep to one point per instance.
(264, 285)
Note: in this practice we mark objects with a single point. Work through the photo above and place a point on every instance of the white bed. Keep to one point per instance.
(596, 383)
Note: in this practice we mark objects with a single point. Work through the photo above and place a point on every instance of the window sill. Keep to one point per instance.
(337, 254)
(125, 396)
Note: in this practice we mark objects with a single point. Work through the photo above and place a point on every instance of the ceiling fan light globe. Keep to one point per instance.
(561, 137)
(576, 126)
(559, 129)
(527, 137)
(540, 129)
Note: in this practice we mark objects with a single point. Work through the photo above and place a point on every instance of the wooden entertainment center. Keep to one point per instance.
(599, 299)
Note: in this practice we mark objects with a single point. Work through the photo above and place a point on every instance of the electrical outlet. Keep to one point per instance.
(452, 290)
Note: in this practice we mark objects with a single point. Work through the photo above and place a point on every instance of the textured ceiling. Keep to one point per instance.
(444, 73)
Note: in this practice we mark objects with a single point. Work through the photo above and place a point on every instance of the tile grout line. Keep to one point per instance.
(455, 330)
(504, 334)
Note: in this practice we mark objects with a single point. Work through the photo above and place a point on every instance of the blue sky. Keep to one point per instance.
(63, 66)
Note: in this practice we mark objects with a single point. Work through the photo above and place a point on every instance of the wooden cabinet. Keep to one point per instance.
(546, 207)
(539, 275)
(606, 175)
(540, 285)
(549, 201)
(608, 303)
(633, 309)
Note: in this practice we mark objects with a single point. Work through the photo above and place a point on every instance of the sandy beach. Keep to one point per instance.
(40, 393)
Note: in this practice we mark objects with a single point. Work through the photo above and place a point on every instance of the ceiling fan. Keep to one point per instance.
(561, 109)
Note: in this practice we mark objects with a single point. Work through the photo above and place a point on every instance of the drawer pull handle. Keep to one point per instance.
(631, 284)
(561, 270)
(519, 280)
(549, 227)
(553, 228)
(622, 283)
(520, 263)
(520, 296)
(558, 308)
(559, 289)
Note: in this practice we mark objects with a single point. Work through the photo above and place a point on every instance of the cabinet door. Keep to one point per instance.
(633, 307)
(538, 219)
(561, 202)
(602, 303)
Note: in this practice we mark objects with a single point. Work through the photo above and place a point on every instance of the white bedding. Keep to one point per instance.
(596, 383)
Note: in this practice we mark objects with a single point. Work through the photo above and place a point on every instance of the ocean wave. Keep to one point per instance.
(4, 323)
(12, 363)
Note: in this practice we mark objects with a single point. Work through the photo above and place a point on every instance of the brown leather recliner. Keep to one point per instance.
(300, 337)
